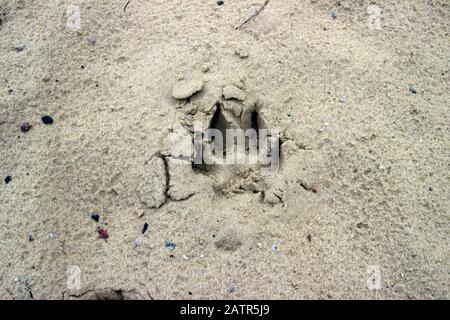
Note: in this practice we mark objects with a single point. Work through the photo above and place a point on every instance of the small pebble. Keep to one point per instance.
(8, 179)
(140, 213)
(138, 242)
(53, 235)
(413, 89)
(333, 15)
(362, 225)
(47, 120)
(95, 217)
(103, 234)
(220, 2)
(242, 53)
(25, 127)
(170, 245)
(206, 68)
(145, 228)
(21, 280)
(20, 48)
(30, 238)
(274, 247)
(92, 40)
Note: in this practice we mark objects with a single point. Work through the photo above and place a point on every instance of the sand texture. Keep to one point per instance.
(359, 90)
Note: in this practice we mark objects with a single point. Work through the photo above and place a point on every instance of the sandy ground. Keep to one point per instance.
(363, 188)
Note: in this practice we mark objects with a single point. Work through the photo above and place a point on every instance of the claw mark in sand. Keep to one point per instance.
(308, 187)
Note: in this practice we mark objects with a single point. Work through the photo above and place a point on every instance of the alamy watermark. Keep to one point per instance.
(73, 277)
(374, 279)
(374, 20)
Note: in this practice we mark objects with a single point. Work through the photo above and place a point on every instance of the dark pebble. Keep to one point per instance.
(103, 233)
(30, 238)
(309, 238)
(47, 120)
(8, 179)
(362, 225)
(92, 40)
(413, 89)
(95, 217)
(25, 127)
(19, 49)
(145, 228)
(334, 15)
(170, 245)
(219, 3)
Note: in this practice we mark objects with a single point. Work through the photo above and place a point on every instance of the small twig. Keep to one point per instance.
(10, 293)
(254, 15)
(126, 6)
(26, 285)
(63, 246)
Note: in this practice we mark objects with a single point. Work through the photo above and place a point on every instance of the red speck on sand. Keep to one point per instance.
(102, 233)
